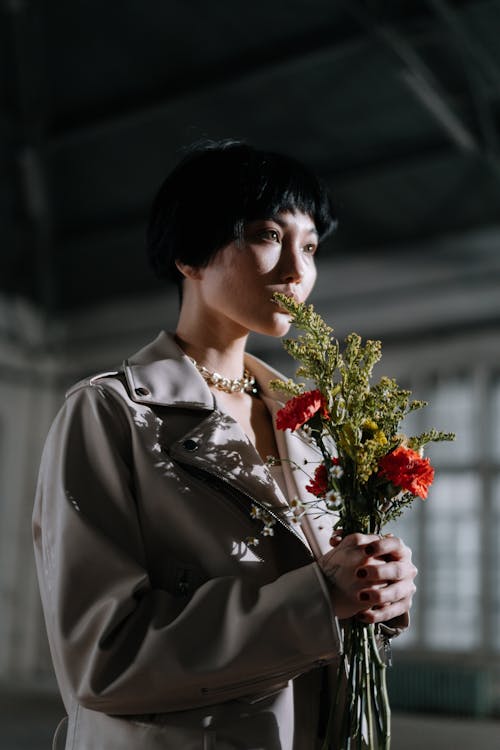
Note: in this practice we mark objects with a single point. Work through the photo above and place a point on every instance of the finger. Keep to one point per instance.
(387, 546)
(349, 557)
(384, 613)
(381, 595)
(359, 540)
(336, 538)
(382, 572)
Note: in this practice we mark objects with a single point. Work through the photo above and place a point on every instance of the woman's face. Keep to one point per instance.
(276, 255)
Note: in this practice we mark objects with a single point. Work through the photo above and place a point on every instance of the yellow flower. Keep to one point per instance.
(380, 438)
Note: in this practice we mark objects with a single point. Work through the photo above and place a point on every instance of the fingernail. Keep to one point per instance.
(361, 573)
(364, 596)
(370, 549)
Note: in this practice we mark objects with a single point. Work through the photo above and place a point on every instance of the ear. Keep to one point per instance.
(189, 272)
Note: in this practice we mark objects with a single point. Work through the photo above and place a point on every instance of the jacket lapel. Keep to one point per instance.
(162, 375)
(219, 446)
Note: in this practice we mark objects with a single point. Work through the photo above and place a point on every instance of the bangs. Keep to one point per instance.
(276, 184)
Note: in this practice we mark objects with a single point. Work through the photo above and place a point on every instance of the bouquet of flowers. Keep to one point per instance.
(367, 474)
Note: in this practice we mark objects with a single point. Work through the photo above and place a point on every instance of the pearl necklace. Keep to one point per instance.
(245, 384)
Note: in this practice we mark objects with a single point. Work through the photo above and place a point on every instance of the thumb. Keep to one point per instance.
(336, 537)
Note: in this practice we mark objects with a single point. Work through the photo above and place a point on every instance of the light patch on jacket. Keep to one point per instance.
(244, 553)
(139, 416)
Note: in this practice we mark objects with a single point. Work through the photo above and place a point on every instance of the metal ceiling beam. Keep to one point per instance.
(478, 66)
(421, 81)
(435, 103)
(307, 49)
(387, 162)
(487, 65)
(417, 76)
(311, 48)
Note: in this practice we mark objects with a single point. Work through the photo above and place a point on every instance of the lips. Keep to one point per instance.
(287, 293)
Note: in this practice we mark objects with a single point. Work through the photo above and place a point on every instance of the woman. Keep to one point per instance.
(167, 629)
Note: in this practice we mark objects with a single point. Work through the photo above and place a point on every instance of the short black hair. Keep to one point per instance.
(216, 188)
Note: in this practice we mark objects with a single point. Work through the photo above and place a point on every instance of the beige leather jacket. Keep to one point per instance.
(166, 629)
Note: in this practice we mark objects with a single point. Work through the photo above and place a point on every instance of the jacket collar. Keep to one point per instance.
(162, 374)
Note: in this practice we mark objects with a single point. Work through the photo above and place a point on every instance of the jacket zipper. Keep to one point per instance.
(235, 493)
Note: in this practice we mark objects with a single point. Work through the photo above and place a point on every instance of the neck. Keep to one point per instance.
(212, 344)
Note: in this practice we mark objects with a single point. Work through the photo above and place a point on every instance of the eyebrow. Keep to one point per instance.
(285, 224)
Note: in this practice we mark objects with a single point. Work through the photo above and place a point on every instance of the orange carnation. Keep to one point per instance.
(406, 469)
(300, 409)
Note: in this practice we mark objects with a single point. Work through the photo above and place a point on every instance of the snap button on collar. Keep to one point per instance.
(142, 391)
(190, 445)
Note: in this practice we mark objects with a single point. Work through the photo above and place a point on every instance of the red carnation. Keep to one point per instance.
(407, 469)
(300, 409)
(319, 484)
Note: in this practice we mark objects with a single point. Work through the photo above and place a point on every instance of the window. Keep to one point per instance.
(455, 533)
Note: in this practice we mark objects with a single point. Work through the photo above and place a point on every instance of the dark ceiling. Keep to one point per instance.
(396, 104)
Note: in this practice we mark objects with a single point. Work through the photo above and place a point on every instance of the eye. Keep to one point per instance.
(270, 234)
(310, 249)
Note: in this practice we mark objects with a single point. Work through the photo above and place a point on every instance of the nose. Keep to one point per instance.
(293, 266)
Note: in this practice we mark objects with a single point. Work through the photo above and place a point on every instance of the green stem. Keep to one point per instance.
(367, 685)
(358, 705)
(361, 690)
(360, 714)
(353, 679)
(376, 696)
(384, 708)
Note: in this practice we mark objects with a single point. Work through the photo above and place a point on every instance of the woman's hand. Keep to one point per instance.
(371, 577)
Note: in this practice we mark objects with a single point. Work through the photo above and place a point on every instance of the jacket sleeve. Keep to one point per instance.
(120, 645)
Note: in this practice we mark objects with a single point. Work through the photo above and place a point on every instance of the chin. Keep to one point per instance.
(278, 326)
